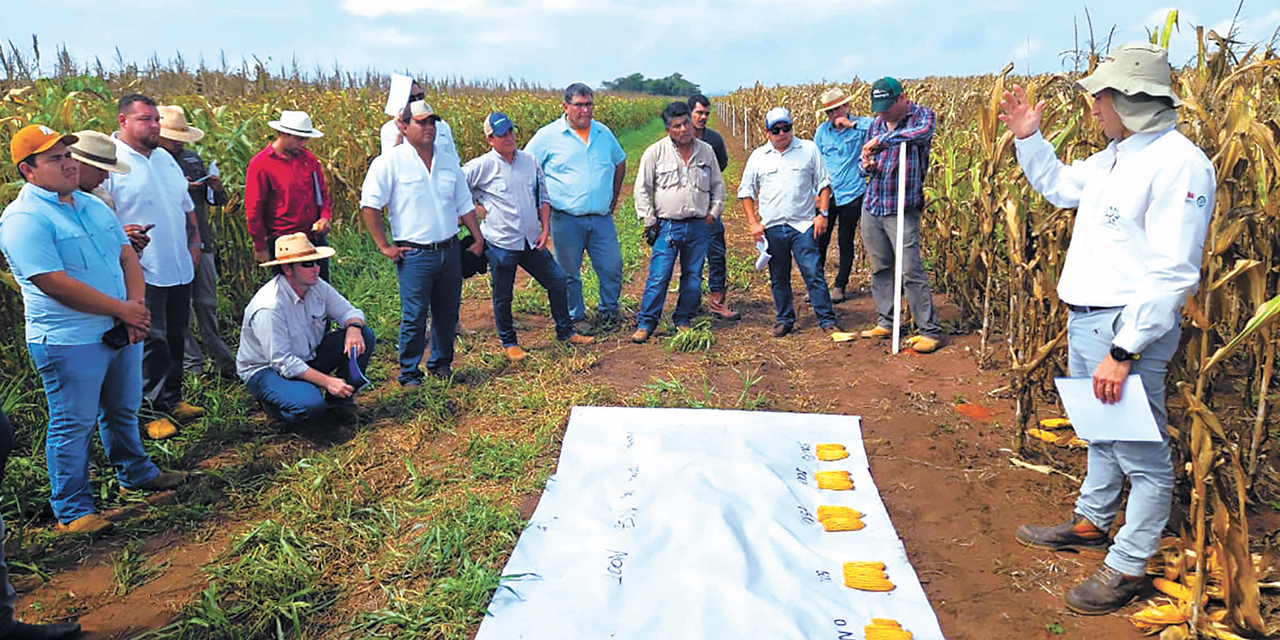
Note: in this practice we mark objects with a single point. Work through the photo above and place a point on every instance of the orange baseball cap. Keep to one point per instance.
(36, 138)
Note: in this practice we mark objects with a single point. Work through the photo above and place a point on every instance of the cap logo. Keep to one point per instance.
(47, 131)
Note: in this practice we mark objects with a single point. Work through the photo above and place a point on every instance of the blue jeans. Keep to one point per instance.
(502, 276)
(296, 400)
(599, 238)
(784, 243)
(430, 283)
(88, 384)
(717, 271)
(1145, 464)
(687, 240)
(8, 597)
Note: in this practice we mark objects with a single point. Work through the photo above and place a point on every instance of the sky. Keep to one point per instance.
(719, 44)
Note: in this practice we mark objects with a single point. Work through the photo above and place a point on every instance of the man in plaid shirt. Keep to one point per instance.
(899, 121)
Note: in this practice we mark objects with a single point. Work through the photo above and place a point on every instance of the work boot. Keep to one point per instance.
(160, 428)
(514, 353)
(1077, 534)
(717, 306)
(877, 332)
(838, 294)
(579, 339)
(91, 523)
(1106, 591)
(164, 481)
(641, 336)
(56, 631)
(185, 411)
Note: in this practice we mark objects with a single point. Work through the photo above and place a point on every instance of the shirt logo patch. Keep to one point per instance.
(1201, 201)
(1110, 217)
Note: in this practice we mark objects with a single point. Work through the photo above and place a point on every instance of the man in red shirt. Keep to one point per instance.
(285, 190)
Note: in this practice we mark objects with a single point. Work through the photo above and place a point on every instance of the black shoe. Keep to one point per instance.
(1106, 591)
(24, 631)
(410, 382)
(443, 373)
(1077, 534)
(780, 330)
(583, 328)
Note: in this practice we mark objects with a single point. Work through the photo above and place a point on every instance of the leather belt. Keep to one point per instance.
(434, 246)
(1086, 309)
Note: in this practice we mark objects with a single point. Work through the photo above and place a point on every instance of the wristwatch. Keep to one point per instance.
(823, 212)
(1120, 355)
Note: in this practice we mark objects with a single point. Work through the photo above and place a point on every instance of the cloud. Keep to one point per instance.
(387, 37)
(1024, 49)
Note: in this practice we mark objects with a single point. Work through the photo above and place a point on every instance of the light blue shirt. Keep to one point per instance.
(841, 151)
(41, 234)
(579, 176)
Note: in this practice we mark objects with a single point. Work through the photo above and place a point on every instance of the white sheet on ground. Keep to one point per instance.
(700, 524)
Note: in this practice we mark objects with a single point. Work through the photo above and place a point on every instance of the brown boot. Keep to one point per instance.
(1077, 534)
(1106, 591)
(717, 306)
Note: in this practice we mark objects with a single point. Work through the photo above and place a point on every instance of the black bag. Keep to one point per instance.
(472, 264)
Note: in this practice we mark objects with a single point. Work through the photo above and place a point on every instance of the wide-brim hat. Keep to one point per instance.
(297, 247)
(97, 150)
(1132, 69)
(173, 125)
(297, 123)
(832, 98)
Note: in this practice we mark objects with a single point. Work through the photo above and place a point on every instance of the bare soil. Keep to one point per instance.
(938, 430)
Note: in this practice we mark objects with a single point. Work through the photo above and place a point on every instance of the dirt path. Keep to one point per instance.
(945, 477)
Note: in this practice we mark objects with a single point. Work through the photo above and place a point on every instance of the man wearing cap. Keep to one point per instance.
(285, 191)
(403, 91)
(205, 189)
(584, 167)
(83, 293)
(285, 358)
(899, 121)
(717, 269)
(508, 183)
(154, 192)
(680, 192)
(777, 194)
(1143, 206)
(96, 155)
(840, 139)
(426, 194)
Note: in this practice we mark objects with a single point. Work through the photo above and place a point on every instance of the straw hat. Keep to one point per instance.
(297, 247)
(97, 150)
(1133, 69)
(173, 125)
(832, 98)
(297, 123)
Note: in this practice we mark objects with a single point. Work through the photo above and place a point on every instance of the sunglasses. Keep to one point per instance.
(780, 128)
(307, 264)
(414, 97)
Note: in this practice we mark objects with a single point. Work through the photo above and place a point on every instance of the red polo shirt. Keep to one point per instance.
(283, 196)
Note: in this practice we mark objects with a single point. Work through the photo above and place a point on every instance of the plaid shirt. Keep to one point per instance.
(915, 129)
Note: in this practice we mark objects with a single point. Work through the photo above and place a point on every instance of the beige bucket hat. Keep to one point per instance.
(297, 247)
(97, 150)
(297, 123)
(1133, 69)
(832, 98)
(173, 124)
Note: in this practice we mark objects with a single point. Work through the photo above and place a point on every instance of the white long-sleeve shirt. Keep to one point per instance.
(281, 331)
(1143, 208)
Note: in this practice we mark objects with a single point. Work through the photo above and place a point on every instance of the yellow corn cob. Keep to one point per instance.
(878, 586)
(862, 564)
(832, 511)
(827, 455)
(1051, 438)
(833, 480)
(1162, 614)
(842, 524)
(887, 633)
(884, 622)
(1054, 423)
(1172, 589)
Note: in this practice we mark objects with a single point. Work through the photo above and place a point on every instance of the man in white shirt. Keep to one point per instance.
(1143, 208)
(154, 192)
(285, 357)
(777, 194)
(509, 184)
(403, 91)
(426, 194)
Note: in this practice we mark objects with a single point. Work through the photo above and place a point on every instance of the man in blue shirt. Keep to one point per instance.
(840, 141)
(584, 167)
(85, 319)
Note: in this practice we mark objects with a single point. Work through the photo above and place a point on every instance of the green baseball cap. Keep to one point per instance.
(884, 92)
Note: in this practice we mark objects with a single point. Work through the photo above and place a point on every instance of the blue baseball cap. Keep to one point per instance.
(497, 124)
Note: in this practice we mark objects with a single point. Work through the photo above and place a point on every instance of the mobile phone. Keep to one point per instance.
(117, 337)
(148, 227)
(202, 179)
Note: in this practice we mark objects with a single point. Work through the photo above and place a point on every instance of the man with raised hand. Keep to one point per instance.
(679, 194)
(285, 191)
(508, 183)
(840, 139)
(154, 192)
(286, 358)
(898, 121)
(777, 195)
(1143, 208)
(717, 268)
(83, 294)
(426, 194)
(584, 167)
(403, 91)
(205, 189)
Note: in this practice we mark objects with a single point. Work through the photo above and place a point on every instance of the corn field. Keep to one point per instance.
(997, 250)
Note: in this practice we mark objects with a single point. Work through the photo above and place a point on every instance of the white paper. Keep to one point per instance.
(1130, 419)
(208, 190)
(763, 247)
(689, 523)
(398, 94)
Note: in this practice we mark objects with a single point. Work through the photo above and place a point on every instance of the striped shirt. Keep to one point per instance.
(915, 129)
